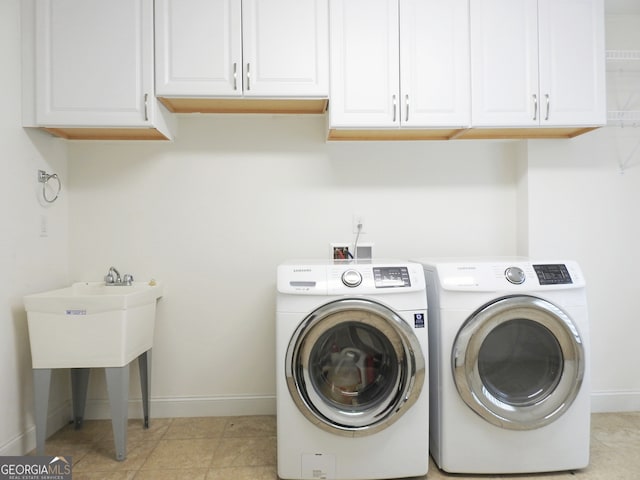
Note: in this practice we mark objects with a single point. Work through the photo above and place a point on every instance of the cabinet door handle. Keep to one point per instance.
(248, 76)
(395, 106)
(235, 76)
(146, 107)
(548, 104)
(406, 106)
(535, 106)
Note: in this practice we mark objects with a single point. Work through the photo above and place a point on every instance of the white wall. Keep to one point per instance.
(29, 262)
(214, 213)
(582, 206)
(583, 196)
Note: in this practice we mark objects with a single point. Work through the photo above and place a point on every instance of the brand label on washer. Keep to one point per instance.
(418, 320)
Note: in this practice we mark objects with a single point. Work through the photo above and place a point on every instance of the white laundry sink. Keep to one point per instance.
(89, 324)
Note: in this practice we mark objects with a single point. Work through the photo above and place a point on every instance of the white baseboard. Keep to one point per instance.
(25, 442)
(219, 406)
(624, 401)
(236, 405)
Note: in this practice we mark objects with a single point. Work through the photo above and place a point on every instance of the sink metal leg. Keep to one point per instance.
(144, 364)
(118, 389)
(79, 384)
(41, 384)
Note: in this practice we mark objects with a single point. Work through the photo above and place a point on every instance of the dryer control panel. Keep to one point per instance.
(508, 275)
(553, 274)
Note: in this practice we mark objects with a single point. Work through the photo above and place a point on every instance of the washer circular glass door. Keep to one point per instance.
(353, 367)
(518, 362)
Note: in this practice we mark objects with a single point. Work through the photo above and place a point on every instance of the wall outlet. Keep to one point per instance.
(358, 219)
(44, 226)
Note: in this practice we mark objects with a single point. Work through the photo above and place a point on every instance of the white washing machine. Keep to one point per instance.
(352, 389)
(509, 366)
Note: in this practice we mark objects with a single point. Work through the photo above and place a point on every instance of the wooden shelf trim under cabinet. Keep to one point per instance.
(393, 134)
(455, 134)
(523, 133)
(106, 133)
(245, 105)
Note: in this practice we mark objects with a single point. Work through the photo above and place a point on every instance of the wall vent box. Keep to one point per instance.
(365, 251)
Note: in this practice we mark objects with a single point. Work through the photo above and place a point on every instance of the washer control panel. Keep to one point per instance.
(383, 277)
(390, 277)
(350, 278)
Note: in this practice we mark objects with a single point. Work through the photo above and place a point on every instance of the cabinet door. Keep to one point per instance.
(434, 63)
(572, 56)
(94, 62)
(504, 63)
(364, 45)
(198, 47)
(285, 47)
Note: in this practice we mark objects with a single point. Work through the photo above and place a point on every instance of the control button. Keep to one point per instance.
(515, 275)
(351, 278)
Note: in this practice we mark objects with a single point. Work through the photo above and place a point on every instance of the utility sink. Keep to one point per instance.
(90, 324)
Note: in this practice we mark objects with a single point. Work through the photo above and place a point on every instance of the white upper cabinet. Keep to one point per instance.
(88, 69)
(285, 48)
(434, 63)
(198, 47)
(275, 49)
(504, 62)
(398, 64)
(572, 62)
(365, 56)
(537, 63)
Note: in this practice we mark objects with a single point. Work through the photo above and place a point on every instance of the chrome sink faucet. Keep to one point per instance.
(112, 278)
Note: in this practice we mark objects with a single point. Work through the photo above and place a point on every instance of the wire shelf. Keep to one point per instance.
(625, 60)
(623, 118)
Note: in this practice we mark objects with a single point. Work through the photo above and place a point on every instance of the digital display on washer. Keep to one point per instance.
(552, 274)
(390, 277)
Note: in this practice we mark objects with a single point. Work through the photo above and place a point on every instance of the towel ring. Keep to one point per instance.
(44, 177)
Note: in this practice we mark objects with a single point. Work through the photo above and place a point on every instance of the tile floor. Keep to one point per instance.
(244, 448)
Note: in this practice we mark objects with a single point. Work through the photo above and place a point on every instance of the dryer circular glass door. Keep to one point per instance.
(353, 367)
(519, 362)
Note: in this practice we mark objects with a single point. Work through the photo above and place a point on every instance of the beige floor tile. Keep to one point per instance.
(245, 452)
(616, 430)
(66, 449)
(126, 475)
(251, 426)
(239, 448)
(619, 463)
(92, 431)
(181, 454)
(243, 473)
(172, 474)
(157, 429)
(196, 427)
(102, 457)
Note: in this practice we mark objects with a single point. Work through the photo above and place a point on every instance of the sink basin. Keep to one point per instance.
(89, 324)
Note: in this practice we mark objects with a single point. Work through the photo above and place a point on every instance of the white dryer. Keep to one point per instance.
(351, 349)
(509, 366)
